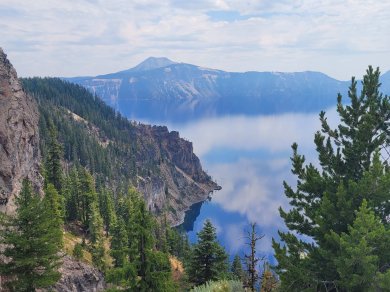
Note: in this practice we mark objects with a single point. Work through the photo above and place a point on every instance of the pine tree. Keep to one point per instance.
(119, 241)
(97, 238)
(364, 250)
(72, 195)
(325, 199)
(78, 251)
(88, 197)
(53, 159)
(208, 260)
(142, 268)
(32, 240)
(107, 209)
(161, 273)
(237, 270)
(144, 246)
(54, 209)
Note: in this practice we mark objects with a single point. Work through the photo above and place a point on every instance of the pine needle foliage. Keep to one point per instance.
(326, 199)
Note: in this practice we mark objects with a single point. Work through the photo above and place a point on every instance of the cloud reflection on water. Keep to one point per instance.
(250, 158)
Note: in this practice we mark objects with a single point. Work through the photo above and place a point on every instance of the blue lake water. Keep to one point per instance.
(250, 158)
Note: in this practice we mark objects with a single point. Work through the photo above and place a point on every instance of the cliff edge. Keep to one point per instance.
(178, 181)
(19, 137)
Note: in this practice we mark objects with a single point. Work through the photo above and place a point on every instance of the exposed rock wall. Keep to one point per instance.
(77, 276)
(177, 180)
(19, 138)
(20, 159)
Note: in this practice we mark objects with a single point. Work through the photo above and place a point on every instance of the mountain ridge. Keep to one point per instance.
(181, 92)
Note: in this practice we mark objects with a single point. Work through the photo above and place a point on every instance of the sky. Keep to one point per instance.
(92, 37)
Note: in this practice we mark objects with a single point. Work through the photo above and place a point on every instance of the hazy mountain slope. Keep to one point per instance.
(161, 90)
(385, 80)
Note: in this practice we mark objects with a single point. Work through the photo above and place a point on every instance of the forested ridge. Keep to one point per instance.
(118, 152)
(85, 126)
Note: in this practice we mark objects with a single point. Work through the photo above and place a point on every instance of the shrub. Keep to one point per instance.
(78, 251)
(220, 286)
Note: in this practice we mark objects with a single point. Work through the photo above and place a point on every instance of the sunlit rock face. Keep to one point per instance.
(19, 137)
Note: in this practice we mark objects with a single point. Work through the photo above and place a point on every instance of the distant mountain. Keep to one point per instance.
(152, 63)
(159, 89)
(385, 80)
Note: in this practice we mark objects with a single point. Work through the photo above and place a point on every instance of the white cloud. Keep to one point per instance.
(92, 37)
(273, 133)
(251, 189)
(252, 180)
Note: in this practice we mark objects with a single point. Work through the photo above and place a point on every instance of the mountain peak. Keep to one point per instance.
(153, 63)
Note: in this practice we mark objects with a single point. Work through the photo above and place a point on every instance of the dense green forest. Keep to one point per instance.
(85, 125)
(338, 234)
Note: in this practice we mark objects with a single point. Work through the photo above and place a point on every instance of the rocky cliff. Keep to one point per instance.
(77, 276)
(20, 159)
(178, 181)
(19, 138)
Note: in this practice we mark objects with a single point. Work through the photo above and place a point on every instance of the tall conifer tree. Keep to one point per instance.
(364, 253)
(32, 239)
(325, 200)
(208, 259)
(53, 160)
(97, 237)
(237, 269)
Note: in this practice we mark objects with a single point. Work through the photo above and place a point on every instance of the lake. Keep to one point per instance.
(250, 158)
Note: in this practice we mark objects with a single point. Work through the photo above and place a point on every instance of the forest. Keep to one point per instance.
(338, 221)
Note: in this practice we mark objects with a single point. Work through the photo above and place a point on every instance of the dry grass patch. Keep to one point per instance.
(70, 240)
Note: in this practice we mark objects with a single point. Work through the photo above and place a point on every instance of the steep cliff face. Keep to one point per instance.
(20, 159)
(178, 180)
(19, 138)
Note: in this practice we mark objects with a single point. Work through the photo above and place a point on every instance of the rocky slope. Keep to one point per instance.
(179, 181)
(77, 276)
(19, 137)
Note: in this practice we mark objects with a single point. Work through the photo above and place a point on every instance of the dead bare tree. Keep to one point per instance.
(251, 259)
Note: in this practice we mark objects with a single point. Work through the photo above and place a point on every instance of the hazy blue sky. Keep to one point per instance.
(90, 37)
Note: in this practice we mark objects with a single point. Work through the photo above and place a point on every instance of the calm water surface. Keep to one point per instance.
(249, 157)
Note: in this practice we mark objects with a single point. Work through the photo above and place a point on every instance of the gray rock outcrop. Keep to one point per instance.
(19, 138)
(77, 276)
(177, 181)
